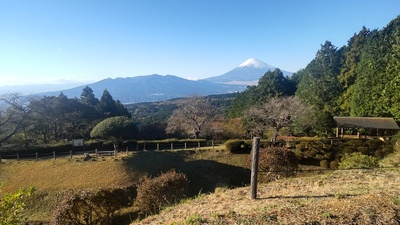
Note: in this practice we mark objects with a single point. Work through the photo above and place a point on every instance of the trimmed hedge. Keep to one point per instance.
(153, 194)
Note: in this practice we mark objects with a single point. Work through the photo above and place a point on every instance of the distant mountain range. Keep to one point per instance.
(151, 88)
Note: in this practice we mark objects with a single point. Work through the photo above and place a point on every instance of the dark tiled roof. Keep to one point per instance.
(367, 122)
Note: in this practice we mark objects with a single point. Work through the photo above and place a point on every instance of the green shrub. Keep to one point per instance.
(238, 146)
(387, 149)
(349, 149)
(12, 206)
(353, 143)
(324, 163)
(334, 164)
(316, 144)
(374, 144)
(379, 154)
(392, 159)
(301, 145)
(357, 160)
(90, 206)
(364, 150)
(395, 138)
(155, 193)
(279, 161)
(328, 155)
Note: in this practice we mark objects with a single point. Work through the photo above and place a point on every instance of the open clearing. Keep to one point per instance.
(336, 197)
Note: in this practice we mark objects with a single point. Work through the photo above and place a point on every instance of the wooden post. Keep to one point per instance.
(144, 146)
(172, 145)
(17, 156)
(212, 144)
(70, 154)
(0, 158)
(254, 167)
(158, 146)
(198, 144)
(185, 145)
(126, 150)
(54, 155)
(37, 156)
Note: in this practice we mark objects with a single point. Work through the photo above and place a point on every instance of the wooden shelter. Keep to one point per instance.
(372, 126)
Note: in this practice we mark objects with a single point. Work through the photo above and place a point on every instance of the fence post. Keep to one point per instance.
(185, 146)
(54, 155)
(254, 167)
(37, 156)
(212, 144)
(126, 150)
(70, 154)
(17, 156)
(198, 144)
(172, 146)
(0, 158)
(158, 146)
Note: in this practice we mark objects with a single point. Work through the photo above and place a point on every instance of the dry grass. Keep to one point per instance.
(340, 197)
(334, 197)
(53, 178)
(63, 174)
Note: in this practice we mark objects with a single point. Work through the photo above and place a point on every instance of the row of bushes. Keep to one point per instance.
(106, 205)
(282, 162)
(326, 153)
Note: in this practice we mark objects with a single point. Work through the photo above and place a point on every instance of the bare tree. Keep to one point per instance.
(192, 116)
(275, 114)
(13, 113)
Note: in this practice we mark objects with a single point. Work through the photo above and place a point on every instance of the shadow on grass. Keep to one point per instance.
(204, 175)
(308, 196)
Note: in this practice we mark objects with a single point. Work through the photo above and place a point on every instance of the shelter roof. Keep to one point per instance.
(367, 122)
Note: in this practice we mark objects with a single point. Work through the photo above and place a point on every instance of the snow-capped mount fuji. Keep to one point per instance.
(247, 73)
(256, 63)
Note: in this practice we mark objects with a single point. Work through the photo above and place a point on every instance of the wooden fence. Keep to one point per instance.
(143, 146)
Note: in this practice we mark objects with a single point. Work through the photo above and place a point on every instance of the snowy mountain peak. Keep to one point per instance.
(252, 62)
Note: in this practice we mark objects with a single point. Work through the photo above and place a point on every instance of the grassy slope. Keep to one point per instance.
(62, 174)
(52, 178)
(355, 196)
(340, 197)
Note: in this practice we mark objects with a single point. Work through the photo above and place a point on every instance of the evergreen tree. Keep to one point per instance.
(107, 104)
(378, 84)
(88, 98)
(271, 84)
(348, 73)
(109, 107)
(319, 85)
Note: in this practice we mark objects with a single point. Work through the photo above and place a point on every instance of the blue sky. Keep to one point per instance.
(48, 41)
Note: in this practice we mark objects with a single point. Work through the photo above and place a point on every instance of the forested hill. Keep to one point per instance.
(361, 78)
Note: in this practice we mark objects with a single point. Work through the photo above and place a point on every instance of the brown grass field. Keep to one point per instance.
(339, 197)
(331, 197)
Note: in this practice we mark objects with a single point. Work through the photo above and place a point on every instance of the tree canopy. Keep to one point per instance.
(192, 117)
(271, 84)
(275, 114)
(115, 129)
